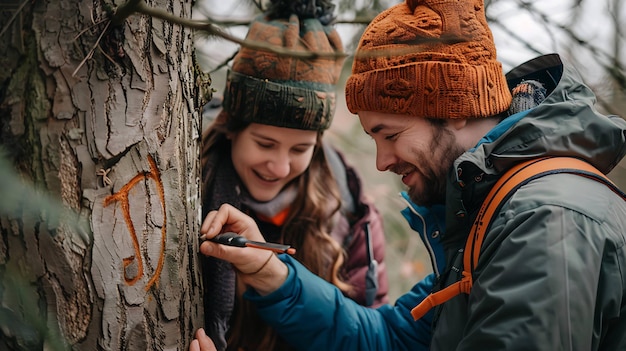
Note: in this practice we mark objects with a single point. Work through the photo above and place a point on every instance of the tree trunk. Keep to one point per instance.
(104, 119)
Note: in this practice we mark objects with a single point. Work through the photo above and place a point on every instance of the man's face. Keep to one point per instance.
(414, 148)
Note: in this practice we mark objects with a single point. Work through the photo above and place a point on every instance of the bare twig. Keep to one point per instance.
(613, 68)
(139, 6)
(514, 35)
(107, 56)
(88, 56)
(88, 28)
(17, 12)
(223, 64)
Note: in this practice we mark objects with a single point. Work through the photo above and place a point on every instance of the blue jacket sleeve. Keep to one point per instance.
(312, 314)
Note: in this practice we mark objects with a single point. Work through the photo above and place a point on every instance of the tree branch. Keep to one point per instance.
(139, 6)
(124, 11)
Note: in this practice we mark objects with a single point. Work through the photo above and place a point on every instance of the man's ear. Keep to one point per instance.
(457, 124)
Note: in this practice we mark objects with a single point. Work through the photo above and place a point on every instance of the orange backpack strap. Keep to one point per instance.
(513, 179)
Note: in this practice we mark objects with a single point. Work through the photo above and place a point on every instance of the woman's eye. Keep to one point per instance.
(299, 151)
(392, 136)
(265, 145)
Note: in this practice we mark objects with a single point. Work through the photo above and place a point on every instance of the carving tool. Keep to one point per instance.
(234, 239)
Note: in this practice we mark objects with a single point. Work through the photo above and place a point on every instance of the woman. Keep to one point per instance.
(264, 154)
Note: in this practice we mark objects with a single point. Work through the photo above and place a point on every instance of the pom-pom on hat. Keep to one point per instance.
(429, 58)
(281, 90)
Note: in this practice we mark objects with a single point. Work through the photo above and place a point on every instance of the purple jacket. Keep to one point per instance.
(364, 243)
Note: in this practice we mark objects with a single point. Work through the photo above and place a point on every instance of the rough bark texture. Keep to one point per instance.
(103, 118)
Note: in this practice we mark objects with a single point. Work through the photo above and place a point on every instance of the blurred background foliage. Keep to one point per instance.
(588, 33)
(21, 199)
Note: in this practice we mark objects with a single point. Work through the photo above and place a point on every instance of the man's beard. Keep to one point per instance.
(438, 162)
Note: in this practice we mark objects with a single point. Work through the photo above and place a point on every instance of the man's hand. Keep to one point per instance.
(259, 269)
(202, 342)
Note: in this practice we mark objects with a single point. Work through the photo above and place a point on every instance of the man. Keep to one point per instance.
(551, 274)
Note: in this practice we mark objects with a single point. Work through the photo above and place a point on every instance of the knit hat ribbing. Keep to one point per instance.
(268, 88)
(429, 58)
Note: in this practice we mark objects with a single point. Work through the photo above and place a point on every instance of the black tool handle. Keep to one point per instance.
(230, 239)
(234, 239)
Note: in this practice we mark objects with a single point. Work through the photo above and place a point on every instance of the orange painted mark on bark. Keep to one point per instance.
(122, 197)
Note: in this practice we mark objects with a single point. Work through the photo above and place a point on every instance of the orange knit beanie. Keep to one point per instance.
(280, 90)
(429, 58)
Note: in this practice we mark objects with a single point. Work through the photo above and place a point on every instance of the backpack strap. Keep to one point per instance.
(512, 180)
(371, 276)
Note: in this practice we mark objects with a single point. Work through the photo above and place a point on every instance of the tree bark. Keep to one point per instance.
(104, 120)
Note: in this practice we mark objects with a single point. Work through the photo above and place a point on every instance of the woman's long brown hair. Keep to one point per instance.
(308, 228)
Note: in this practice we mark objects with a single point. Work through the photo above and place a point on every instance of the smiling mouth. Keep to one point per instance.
(267, 179)
(404, 172)
(405, 177)
(408, 175)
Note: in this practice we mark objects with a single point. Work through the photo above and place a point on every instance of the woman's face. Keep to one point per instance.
(267, 158)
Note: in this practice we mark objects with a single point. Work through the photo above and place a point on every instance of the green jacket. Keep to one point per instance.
(552, 269)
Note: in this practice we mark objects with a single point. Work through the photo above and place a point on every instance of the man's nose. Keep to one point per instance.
(384, 158)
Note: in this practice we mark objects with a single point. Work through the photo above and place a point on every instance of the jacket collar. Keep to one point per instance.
(429, 224)
(566, 123)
